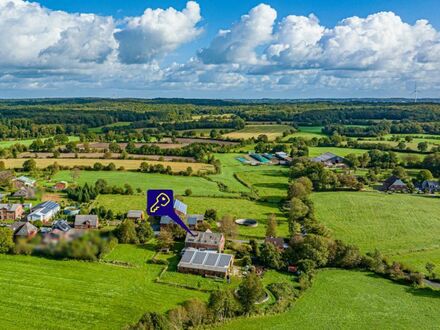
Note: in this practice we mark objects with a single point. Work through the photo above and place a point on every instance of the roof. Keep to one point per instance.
(206, 260)
(16, 225)
(26, 180)
(45, 208)
(61, 225)
(10, 207)
(26, 229)
(180, 206)
(135, 214)
(81, 219)
(325, 157)
(24, 191)
(281, 154)
(194, 218)
(165, 220)
(207, 237)
(392, 180)
(277, 241)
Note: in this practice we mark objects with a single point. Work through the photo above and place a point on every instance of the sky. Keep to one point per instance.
(220, 49)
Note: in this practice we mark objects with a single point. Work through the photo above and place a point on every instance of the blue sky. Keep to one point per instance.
(277, 50)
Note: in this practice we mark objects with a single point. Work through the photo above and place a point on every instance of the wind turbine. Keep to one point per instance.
(415, 92)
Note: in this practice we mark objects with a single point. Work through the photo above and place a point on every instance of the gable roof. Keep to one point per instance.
(207, 237)
(25, 192)
(26, 180)
(9, 207)
(165, 220)
(135, 214)
(27, 229)
(61, 225)
(206, 260)
(45, 208)
(325, 157)
(392, 180)
(194, 218)
(81, 219)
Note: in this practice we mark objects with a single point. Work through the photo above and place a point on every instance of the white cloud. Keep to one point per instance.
(31, 35)
(157, 32)
(238, 44)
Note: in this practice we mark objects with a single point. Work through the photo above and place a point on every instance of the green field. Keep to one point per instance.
(342, 299)
(38, 293)
(179, 184)
(306, 132)
(118, 124)
(403, 227)
(316, 151)
(27, 142)
(270, 182)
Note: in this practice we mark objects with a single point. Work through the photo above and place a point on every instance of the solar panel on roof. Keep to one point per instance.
(211, 260)
(224, 260)
(199, 258)
(187, 256)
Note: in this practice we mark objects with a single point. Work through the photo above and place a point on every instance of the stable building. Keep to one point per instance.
(393, 183)
(329, 159)
(44, 212)
(206, 263)
(135, 215)
(194, 220)
(86, 221)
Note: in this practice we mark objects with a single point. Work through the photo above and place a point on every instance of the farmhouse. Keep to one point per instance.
(429, 186)
(329, 159)
(393, 183)
(23, 181)
(194, 220)
(11, 211)
(205, 240)
(44, 211)
(86, 221)
(25, 192)
(135, 215)
(206, 263)
(27, 230)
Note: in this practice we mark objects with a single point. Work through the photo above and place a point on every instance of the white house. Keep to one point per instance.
(44, 211)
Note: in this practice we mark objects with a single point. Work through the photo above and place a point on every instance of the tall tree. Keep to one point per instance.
(271, 229)
(250, 292)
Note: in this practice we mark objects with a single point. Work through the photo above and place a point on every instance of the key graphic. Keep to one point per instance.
(161, 200)
(161, 203)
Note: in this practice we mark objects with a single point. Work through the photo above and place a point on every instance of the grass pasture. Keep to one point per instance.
(27, 142)
(128, 164)
(272, 131)
(404, 227)
(306, 132)
(316, 151)
(179, 184)
(54, 294)
(341, 299)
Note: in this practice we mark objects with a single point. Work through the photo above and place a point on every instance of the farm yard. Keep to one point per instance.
(278, 203)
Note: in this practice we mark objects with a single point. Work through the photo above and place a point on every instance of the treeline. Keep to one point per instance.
(86, 193)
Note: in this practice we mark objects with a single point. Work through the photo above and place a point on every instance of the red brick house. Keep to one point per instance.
(61, 185)
(11, 211)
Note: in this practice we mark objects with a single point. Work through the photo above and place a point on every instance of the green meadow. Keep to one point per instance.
(404, 227)
(83, 295)
(341, 299)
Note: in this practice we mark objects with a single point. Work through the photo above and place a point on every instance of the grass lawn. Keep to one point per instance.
(179, 184)
(118, 124)
(128, 164)
(272, 131)
(53, 294)
(270, 181)
(240, 208)
(398, 225)
(307, 132)
(342, 299)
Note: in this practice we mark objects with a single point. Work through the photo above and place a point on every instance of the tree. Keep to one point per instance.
(271, 229)
(178, 317)
(29, 165)
(152, 321)
(432, 163)
(306, 265)
(422, 146)
(401, 145)
(196, 311)
(400, 172)
(211, 214)
(424, 175)
(188, 192)
(6, 240)
(144, 232)
(250, 291)
(352, 161)
(271, 256)
(228, 226)
(126, 232)
(75, 173)
(165, 240)
(430, 267)
(222, 304)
